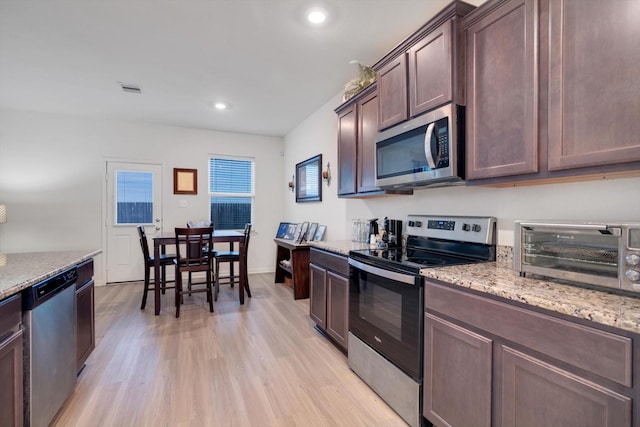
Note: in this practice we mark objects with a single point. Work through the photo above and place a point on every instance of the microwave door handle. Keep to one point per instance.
(427, 146)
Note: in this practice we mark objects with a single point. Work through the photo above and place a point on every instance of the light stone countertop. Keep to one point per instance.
(18, 271)
(341, 247)
(499, 279)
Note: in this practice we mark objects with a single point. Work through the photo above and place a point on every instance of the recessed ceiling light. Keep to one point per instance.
(316, 16)
(220, 106)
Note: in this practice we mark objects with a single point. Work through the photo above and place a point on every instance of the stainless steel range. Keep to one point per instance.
(386, 305)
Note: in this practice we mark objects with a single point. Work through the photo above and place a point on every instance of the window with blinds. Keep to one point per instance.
(231, 192)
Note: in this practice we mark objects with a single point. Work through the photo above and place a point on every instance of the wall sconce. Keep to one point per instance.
(326, 175)
(291, 183)
(3, 214)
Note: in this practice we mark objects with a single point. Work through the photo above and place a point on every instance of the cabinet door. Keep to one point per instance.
(430, 71)
(338, 308)
(347, 160)
(367, 130)
(318, 295)
(85, 323)
(392, 92)
(502, 92)
(457, 375)
(534, 393)
(594, 92)
(11, 397)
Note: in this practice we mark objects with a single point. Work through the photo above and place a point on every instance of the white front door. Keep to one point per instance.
(134, 197)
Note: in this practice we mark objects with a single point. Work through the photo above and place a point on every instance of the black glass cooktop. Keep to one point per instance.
(410, 260)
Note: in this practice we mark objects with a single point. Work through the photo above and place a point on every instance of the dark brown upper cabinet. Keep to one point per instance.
(422, 72)
(392, 91)
(357, 128)
(594, 83)
(502, 91)
(552, 91)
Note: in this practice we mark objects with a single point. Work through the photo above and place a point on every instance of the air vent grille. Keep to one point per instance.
(131, 88)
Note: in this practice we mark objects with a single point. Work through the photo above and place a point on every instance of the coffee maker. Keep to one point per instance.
(392, 232)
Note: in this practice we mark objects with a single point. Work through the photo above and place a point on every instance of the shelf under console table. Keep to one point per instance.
(292, 260)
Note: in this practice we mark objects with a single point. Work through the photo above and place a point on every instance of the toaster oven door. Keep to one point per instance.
(581, 253)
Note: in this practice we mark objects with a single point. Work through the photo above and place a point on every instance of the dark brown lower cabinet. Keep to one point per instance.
(11, 379)
(489, 362)
(535, 393)
(85, 322)
(329, 294)
(457, 375)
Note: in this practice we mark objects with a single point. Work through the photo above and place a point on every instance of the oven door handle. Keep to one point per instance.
(391, 275)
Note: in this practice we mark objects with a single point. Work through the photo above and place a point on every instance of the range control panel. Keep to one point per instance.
(464, 229)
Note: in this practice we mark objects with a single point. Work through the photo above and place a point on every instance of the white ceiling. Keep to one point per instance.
(257, 55)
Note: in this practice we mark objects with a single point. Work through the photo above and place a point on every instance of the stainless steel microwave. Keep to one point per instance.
(427, 150)
(594, 253)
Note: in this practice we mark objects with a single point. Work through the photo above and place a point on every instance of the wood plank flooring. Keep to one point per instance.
(261, 364)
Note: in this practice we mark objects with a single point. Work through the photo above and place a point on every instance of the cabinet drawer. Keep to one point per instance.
(85, 273)
(602, 353)
(330, 261)
(10, 315)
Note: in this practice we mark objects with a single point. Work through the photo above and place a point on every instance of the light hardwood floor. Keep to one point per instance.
(261, 364)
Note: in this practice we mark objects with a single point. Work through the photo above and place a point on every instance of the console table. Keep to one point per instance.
(297, 267)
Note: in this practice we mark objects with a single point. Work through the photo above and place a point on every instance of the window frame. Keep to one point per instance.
(251, 195)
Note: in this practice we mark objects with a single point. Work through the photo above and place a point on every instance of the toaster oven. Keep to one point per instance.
(592, 253)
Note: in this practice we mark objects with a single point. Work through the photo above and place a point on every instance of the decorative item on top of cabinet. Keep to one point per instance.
(424, 71)
(551, 93)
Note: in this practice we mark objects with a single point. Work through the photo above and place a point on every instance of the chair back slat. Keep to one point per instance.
(196, 242)
(144, 244)
(247, 235)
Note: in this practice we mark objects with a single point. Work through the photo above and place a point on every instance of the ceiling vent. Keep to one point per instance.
(132, 88)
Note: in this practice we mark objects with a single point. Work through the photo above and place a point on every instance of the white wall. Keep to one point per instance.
(615, 199)
(52, 178)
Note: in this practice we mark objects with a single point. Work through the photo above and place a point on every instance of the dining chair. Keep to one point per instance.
(165, 260)
(231, 257)
(192, 256)
(200, 224)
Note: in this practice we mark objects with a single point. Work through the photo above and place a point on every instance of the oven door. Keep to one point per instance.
(385, 311)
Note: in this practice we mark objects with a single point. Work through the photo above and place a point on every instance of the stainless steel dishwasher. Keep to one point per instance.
(49, 319)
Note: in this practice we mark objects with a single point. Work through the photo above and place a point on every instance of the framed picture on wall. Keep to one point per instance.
(185, 181)
(308, 180)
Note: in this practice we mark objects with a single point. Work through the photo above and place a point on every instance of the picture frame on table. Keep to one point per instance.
(291, 229)
(296, 234)
(320, 233)
(312, 231)
(282, 230)
(303, 232)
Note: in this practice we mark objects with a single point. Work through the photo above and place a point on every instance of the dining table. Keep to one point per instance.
(166, 238)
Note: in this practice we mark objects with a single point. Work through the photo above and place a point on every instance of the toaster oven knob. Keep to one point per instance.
(466, 227)
(632, 259)
(633, 275)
